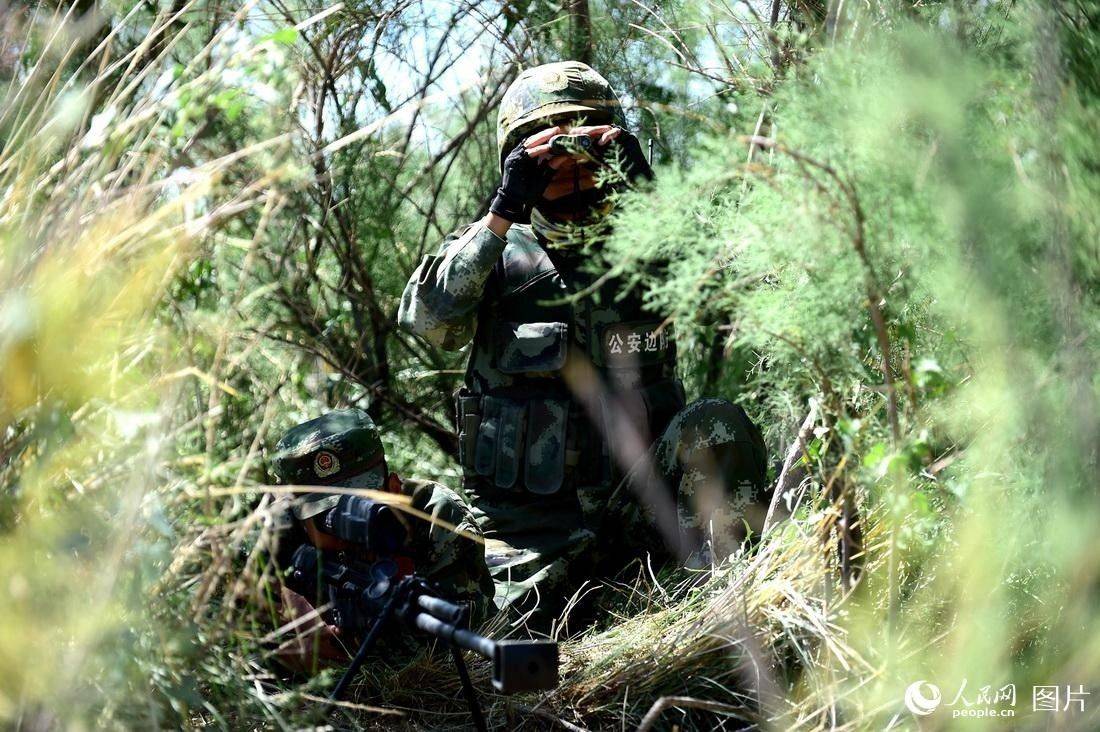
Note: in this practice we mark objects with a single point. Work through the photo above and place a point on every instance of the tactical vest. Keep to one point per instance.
(521, 427)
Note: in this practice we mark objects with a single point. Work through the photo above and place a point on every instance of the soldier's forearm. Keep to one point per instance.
(442, 296)
(497, 224)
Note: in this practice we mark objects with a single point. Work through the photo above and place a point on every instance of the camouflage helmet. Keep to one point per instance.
(548, 91)
(341, 448)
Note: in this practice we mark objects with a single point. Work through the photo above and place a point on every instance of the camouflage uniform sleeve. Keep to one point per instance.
(285, 534)
(441, 299)
(454, 563)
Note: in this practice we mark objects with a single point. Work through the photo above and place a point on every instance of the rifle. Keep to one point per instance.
(518, 665)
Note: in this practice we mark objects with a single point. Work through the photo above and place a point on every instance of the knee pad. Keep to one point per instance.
(721, 428)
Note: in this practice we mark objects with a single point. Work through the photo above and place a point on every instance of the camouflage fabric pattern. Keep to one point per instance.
(532, 347)
(713, 456)
(452, 562)
(340, 448)
(536, 565)
(545, 448)
(540, 555)
(546, 501)
(475, 270)
(552, 90)
(441, 300)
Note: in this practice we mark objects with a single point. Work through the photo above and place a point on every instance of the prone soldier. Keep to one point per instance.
(342, 449)
(576, 441)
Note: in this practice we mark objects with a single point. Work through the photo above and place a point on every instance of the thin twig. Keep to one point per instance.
(665, 702)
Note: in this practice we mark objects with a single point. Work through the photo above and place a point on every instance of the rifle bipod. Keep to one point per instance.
(517, 665)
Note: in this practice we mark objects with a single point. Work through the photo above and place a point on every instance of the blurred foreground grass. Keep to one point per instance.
(96, 222)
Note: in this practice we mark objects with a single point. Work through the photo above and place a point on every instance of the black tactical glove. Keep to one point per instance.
(522, 183)
(630, 155)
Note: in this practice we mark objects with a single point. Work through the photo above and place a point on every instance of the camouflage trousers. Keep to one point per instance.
(700, 486)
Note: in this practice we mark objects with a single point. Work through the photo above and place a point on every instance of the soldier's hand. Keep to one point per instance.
(574, 170)
(609, 139)
(524, 179)
(314, 643)
(309, 650)
(630, 155)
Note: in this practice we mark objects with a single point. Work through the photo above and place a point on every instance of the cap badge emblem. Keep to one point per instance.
(552, 81)
(325, 464)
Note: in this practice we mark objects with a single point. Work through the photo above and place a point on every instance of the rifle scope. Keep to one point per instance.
(363, 521)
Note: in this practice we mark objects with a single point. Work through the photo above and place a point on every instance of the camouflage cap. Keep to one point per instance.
(551, 90)
(341, 448)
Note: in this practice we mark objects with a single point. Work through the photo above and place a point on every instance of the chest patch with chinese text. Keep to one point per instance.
(634, 344)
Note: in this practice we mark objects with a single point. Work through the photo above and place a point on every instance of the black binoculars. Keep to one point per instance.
(571, 144)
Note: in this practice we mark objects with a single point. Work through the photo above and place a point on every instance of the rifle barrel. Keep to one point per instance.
(467, 639)
(446, 611)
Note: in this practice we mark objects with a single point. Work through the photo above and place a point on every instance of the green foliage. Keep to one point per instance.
(975, 211)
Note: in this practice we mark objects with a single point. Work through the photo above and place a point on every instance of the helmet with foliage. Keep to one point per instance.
(341, 448)
(544, 92)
